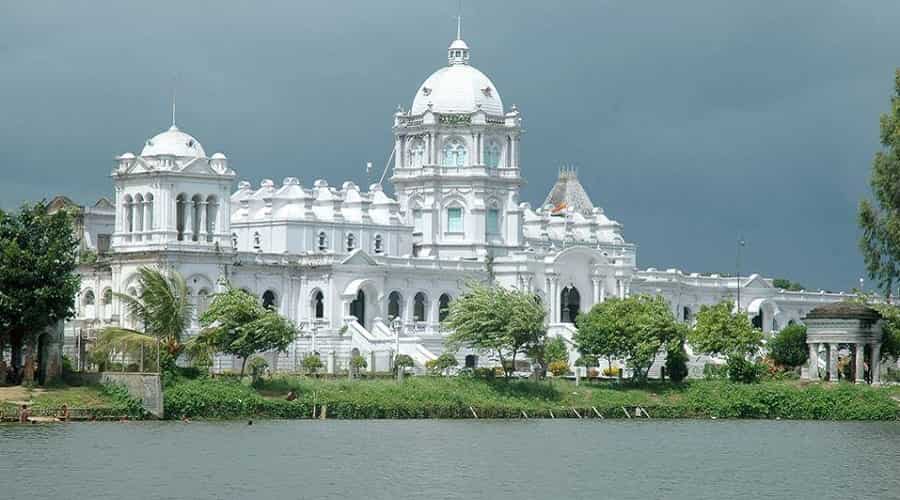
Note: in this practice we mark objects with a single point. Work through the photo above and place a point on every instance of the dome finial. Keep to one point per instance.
(458, 53)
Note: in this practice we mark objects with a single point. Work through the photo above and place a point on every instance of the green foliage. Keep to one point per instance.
(403, 361)
(258, 366)
(587, 360)
(712, 371)
(788, 347)
(556, 350)
(358, 363)
(498, 320)
(558, 368)
(880, 221)
(122, 400)
(237, 323)
(438, 397)
(443, 364)
(718, 331)
(312, 363)
(890, 340)
(788, 285)
(87, 257)
(635, 328)
(676, 362)
(38, 278)
(743, 371)
(163, 310)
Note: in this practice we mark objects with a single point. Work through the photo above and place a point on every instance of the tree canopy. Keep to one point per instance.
(719, 331)
(788, 347)
(38, 279)
(237, 323)
(498, 320)
(880, 218)
(634, 328)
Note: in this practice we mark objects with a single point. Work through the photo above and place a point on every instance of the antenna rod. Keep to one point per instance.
(459, 21)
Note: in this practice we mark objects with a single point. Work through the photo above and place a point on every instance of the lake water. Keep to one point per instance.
(439, 459)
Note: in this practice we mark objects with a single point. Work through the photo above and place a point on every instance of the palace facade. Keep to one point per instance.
(361, 271)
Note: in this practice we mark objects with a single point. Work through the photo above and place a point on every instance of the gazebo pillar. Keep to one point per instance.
(813, 361)
(875, 364)
(832, 362)
(860, 354)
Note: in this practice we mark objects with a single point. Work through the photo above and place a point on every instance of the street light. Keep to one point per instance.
(741, 243)
(396, 324)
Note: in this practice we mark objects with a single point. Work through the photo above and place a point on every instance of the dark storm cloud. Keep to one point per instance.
(691, 122)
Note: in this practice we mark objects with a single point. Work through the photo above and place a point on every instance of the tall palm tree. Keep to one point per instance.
(162, 308)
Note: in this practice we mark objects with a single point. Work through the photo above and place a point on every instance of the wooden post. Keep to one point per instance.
(626, 412)
(597, 412)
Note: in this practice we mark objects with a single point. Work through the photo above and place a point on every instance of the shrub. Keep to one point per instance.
(257, 366)
(593, 373)
(485, 373)
(312, 363)
(741, 370)
(558, 368)
(788, 347)
(402, 362)
(612, 371)
(713, 371)
(676, 364)
(358, 363)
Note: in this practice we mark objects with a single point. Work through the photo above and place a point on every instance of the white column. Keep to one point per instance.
(832, 362)
(813, 362)
(202, 208)
(597, 298)
(554, 286)
(860, 368)
(875, 364)
(148, 221)
(188, 220)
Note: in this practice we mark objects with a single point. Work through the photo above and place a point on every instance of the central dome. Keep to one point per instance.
(458, 88)
(173, 142)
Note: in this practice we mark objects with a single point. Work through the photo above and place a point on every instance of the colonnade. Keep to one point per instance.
(831, 360)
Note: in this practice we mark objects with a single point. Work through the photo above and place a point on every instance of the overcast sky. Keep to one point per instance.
(691, 123)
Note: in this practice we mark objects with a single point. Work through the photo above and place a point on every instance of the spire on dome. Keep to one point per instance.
(458, 53)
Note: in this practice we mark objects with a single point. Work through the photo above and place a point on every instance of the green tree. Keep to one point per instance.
(880, 219)
(676, 356)
(357, 364)
(237, 323)
(443, 364)
(162, 310)
(312, 363)
(718, 331)
(402, 362)
(38, 279)
(789, 285)
(788, 347)
(498, 320)
(635, 328)
(556, 350)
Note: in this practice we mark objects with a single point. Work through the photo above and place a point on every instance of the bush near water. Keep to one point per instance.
(441, 397)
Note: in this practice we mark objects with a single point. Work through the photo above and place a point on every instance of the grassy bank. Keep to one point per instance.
(427, 397)
(84, 402)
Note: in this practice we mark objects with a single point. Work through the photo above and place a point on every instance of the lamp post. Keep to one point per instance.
(396, 324)
(740, 245)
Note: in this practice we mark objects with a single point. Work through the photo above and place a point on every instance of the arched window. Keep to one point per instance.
(202, 301)
(492, 155)
(319, 305)
(234, 240)
(686, 314)
(138, 213)
(195, 204)
(89, 298)
(351, 242)
(378, 246)
(395, 305)
(268, 300)
(417, 220)
(455, 154)
(128, 204)
(570, 304)
(471, 361)
(420, 307)
(358, 307)
(455, 219)
(256, 241)
(443, 307)
(323, 242)
(181, 210)
(492, 221)
(416, 153)
(107, 297)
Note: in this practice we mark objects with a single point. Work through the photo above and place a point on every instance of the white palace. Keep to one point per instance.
(362, 271)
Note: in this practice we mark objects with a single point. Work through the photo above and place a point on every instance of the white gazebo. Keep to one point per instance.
(848, 323)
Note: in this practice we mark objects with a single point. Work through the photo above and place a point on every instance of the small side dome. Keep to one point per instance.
(127, 156)
(173, 142)
(218, 156)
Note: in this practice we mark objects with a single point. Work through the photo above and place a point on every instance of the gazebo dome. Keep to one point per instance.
(173, 142)
(845, 310)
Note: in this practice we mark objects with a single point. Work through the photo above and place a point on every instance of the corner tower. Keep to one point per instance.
(172, 196)
(456, 163)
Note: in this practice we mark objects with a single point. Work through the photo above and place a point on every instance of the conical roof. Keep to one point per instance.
(569, 193)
